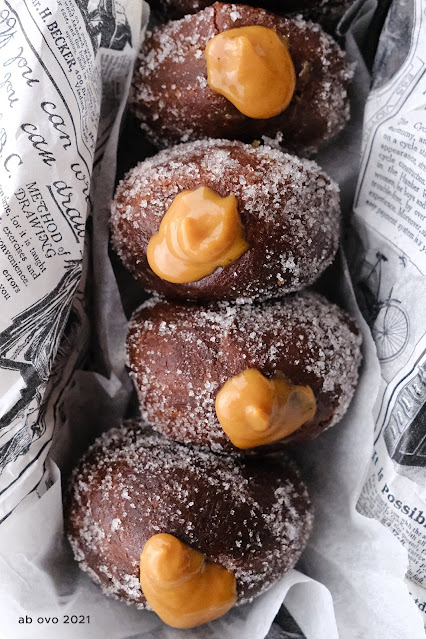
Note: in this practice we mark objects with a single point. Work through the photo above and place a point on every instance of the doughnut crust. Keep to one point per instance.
(289, 209)
(326, 12)
(181, 356)
(175, 9)
(251, 516)
(174, 103)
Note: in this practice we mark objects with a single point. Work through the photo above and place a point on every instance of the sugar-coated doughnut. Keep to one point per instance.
(174, 102)
(289, 210)
(252, 517)
(181, 356)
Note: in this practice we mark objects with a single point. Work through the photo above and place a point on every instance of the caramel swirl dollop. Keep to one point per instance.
(253, 69)
(181, 586)
(200, 232)
(254, 410)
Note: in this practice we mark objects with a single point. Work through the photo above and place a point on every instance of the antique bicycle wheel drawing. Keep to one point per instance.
(388, 320)
(390, 330)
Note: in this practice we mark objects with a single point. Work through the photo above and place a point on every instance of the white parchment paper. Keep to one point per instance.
(353, 581)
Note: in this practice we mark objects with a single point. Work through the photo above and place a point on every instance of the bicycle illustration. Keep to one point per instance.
(387, 318)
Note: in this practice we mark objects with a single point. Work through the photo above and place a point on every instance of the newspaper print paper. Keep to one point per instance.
(390, 269)
(60, 63)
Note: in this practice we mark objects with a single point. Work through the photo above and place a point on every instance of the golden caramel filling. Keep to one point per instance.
(254, 410)
(252, 68)
(180, 586)
(200, 232)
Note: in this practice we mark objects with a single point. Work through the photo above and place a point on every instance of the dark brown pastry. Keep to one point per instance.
(251, 517)
(174, 103)
(181, 356)
(326, 12)
(288, 207)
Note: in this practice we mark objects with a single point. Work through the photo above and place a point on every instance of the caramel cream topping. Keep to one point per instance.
(254, 410)
(200, 232)
(180, 586)
(252, 68)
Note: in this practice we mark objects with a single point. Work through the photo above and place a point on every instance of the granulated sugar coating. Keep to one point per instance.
(181, 356)
(174, 103)
(251, 516)
(289, 209)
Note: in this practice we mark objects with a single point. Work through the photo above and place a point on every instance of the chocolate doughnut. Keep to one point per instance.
(251, 517)
(182, 356)
(327, 12)
(289, 211)
(174, 102)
